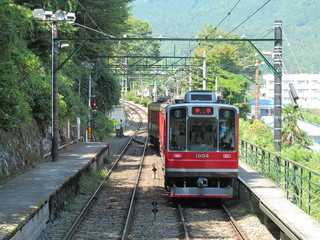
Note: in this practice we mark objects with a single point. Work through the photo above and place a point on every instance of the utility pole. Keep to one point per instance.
(89, 110)
(126, 78)
(256, 90)
(155, 90)
(190, 81)
(54, 18)
(204, 68)
(90, 66)
(277, 84)
(55, 118)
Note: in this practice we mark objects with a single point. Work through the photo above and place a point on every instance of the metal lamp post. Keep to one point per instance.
(90, 66)
(59, 16)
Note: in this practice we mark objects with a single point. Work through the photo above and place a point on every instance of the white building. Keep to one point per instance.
(307, 87)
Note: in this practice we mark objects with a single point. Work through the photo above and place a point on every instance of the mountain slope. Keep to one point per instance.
(186, 18)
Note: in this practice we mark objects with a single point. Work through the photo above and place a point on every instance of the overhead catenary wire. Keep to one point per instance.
(86, 12)
(248, 18)
(228, 14)
(289, 45)
(270, 31)
(94, 30)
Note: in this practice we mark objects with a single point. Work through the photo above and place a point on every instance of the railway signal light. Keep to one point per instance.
(94, 103)
(94, 113)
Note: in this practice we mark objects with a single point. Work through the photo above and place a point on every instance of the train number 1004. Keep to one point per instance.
(202, 155)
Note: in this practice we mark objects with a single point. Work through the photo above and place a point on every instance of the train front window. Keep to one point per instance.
(202, 134)
(177, 129)
(227, 130)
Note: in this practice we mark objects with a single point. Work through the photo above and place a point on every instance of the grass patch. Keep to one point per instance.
(88, 183)
(109, 159)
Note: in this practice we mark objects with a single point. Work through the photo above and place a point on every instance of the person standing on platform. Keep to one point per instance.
(121, 128)
(117, 130)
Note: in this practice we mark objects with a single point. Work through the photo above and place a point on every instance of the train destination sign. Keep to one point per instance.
(202, 111)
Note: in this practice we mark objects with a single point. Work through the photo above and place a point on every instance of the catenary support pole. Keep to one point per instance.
(256, 91)
(277, 84)
(204, 69)
(55, 118)
(89, 109)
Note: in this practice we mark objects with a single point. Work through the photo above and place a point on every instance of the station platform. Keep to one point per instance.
(272, 201)
(25, 199)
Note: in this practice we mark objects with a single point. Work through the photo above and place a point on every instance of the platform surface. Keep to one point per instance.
(24, 194)
(274, 199)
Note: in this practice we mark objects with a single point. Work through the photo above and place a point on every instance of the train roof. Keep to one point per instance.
(195, 96)
(191, 97)
(198, 96)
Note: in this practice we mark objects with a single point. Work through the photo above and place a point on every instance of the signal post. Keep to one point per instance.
(93, 107)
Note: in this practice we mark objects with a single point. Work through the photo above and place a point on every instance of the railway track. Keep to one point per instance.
(106, 211)
(151, 215)
(146, 212)
(154, 216)
(206, 222)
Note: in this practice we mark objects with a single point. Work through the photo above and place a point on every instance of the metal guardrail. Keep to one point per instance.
(302, 184)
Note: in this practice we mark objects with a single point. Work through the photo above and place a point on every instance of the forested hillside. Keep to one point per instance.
(25, 58)
(26, 72)
(186, 18)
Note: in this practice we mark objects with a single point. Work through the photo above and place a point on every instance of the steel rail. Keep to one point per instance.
(134, 193)
(77, 222)
(235, 225)
(184, 224)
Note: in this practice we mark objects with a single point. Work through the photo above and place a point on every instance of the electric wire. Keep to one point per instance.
(85, 11)
(228, 14)
(270, 31)
(248, 18)
(94, 30)
(117, 47)
(289, 45)
(99, 29)
(239, 26)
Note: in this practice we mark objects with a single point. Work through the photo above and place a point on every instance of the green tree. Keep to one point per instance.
(227, 66)
(21, 72)
(136, 28)
(311, 115)
(258, 133)
(292, 135)
(25, 64)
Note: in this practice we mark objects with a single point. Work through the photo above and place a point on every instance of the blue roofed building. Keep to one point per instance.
(265, 106)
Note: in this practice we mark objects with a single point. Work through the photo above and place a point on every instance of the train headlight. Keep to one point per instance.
(226, 113)
(177, 113)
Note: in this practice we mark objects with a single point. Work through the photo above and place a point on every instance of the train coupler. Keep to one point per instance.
(202, 182)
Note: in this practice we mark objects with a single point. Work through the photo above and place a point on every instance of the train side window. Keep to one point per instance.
(177, 130)
(227, 130)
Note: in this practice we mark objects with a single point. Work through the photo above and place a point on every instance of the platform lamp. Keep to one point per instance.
(59, 16)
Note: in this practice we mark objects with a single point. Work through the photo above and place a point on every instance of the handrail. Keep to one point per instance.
(302, 184)
(287, 159)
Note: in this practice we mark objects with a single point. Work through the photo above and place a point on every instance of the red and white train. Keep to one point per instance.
(198, 142)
